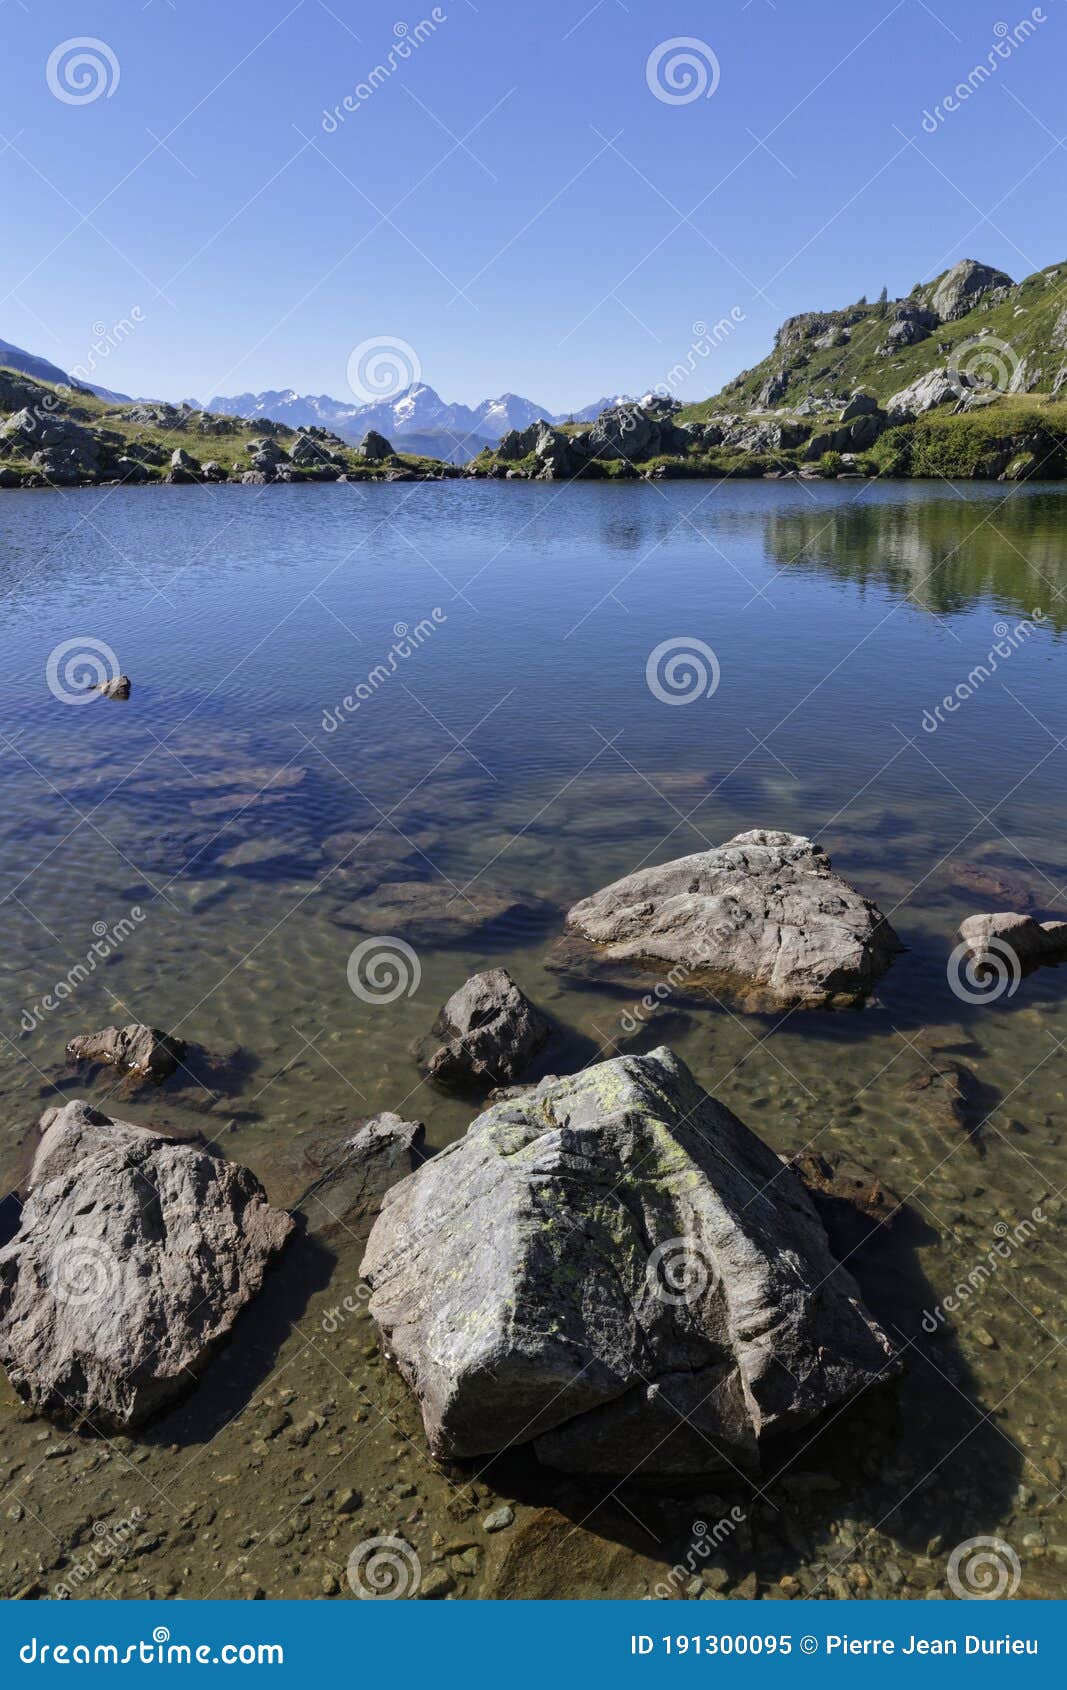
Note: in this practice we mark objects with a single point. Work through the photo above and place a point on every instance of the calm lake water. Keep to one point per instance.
(516, 751)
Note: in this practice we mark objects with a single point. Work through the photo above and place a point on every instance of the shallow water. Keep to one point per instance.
(519, 748)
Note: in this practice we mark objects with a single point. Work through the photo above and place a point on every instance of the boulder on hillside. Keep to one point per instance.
(134, 1256)
(136, 1049)
(487, 1033)
(911, 324)
(764, 912)
(374, 448)
(614, 1269)
(860, 405)
(960, 288)
(935, 388)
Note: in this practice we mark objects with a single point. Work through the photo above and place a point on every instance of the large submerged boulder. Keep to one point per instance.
(614, 1268)
(134, 1256)
(764, 911)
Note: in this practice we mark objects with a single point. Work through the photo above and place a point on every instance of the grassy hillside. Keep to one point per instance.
(1030, 325)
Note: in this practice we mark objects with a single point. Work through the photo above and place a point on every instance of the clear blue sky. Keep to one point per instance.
(566, 247)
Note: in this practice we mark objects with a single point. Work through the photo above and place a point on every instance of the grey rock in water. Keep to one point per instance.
(360, 1168)
(135, 1048)
(134, 1256)
(765, 910)
(995, 941)
(616, 1270)
(487, 1032)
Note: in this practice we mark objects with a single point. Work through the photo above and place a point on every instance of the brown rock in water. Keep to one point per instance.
(546, 1557)
(944, 1092)
(432, 912)
(764, 911)
(134, 1256)
(118, 687)
(136, 1048)
(990, 884)
(488, 1032)
(851, 1201)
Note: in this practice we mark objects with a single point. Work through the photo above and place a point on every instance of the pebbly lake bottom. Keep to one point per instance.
(513, 735)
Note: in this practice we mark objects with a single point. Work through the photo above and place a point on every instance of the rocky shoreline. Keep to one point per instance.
(134, 1252)
(490, 1275)
(963, 379)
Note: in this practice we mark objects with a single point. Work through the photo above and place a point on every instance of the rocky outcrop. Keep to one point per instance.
(860, 405)
(358, 1169)
(911, 324)
(764, 912)
(614, 1269)
(960, 289)
(136, 1049)
(134, 1256)
(487, 1033)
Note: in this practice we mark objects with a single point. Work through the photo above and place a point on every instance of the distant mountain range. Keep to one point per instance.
(426, 422)
(429, 426)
